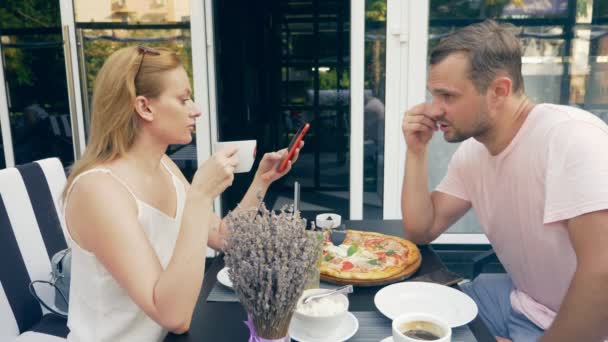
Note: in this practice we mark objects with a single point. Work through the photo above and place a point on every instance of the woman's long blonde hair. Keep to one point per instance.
(114, 122)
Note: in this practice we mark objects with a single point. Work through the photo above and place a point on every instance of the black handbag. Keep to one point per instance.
(61, 264)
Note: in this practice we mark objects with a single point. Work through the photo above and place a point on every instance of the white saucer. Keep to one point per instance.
(346, 330)
(223, 278)
(388, 339)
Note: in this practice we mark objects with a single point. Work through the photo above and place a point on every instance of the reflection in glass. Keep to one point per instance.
(333, 151)
(299, 36)
(298, 81)
(34, 69)
(596, 83)
(103, 27)
(600, 9)
(132, 11)
(501, 9)
(19, 14)
(304, 8)
(543, 63)
(373, 144)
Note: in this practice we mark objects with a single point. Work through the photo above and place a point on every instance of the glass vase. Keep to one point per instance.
(313, 279)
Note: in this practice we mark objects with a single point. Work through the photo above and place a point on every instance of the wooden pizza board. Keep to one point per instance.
(407, 272)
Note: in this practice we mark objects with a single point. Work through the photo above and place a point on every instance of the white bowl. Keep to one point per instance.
(327, 221)
(322, 325)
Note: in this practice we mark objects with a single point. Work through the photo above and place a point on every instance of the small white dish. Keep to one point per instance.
(328, 221)
(223, 278)
(387, 339)
(454, 307)
(346, 330)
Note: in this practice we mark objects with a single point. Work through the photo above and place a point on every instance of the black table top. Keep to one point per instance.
(223, 321)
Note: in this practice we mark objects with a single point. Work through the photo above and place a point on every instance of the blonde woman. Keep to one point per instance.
(139, 231)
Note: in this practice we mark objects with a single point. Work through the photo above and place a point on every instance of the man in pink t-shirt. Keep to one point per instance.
(536, 176)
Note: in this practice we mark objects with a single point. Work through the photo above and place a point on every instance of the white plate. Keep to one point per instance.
(388, 339)
(346, 330)
(453, 306)
(223, 278)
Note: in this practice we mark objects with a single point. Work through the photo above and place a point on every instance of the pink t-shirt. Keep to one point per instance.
(554, 169)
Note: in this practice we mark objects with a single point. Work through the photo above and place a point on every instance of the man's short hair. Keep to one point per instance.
(491, 48)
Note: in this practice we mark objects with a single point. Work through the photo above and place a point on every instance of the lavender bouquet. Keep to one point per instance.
(269, 255)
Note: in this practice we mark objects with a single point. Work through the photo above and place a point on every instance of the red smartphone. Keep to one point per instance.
(295, 142)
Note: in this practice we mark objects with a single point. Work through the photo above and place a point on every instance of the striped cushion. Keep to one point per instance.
(30, 233)
(38, 337)
(51, 325)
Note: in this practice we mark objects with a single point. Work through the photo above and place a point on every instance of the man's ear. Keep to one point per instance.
(500, 88)
(142, 108)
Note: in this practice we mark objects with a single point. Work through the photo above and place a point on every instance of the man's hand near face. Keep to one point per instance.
(418, 128)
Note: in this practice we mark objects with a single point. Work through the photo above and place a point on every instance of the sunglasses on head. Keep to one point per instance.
(145, 50)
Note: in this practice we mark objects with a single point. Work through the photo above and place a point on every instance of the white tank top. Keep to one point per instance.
(101, 310)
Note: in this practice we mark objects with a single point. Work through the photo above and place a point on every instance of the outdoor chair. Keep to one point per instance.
(30, 233)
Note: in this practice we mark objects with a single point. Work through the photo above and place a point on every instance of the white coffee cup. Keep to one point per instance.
(420, 321)
(245, 153)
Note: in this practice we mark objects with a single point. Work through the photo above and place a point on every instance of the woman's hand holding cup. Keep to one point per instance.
(216, 173)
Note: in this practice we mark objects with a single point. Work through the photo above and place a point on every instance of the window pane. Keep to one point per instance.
(601, 9)
(103, 27)
(36, 87)
(373, 144)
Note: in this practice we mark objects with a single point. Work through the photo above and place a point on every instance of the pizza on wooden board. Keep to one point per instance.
(367, 258)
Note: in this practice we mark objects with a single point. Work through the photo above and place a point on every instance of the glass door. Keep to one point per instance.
(35, 86)
(286, 62)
